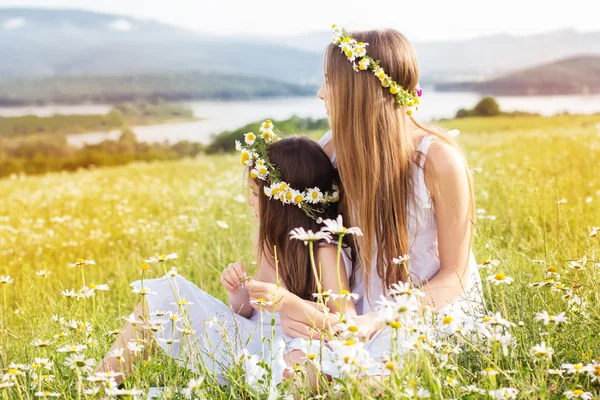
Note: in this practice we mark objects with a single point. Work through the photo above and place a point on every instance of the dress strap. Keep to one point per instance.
(424, 148)
(324, 141)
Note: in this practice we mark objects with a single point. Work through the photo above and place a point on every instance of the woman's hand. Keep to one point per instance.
(302, 322)
(266, 296)
(233, 277)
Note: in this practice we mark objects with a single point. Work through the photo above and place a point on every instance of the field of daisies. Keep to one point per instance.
(70, 244)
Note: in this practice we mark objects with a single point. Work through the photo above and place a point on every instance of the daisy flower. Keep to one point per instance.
(6, 279)
(573, 369)
(540, 351)
(249, 138)
(324, 296)
(314, 195)
(504, 393)
(578, 394)
(41, 343)
(162, 258)
(594, 231)
(143, 291)
(486, 263)
(47, 394)
(547, 318)
(134, 347)
(490, 372)
(81, 263)
(594, 371)
(261, 302)
(78, 361)
(500, 279)
(344, 294)
(43, 273)
(309, 236)
(336, 227)
(401, 260)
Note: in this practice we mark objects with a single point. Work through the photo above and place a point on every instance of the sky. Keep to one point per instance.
(418, 19)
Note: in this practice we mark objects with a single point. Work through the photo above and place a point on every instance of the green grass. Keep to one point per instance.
(121, 216)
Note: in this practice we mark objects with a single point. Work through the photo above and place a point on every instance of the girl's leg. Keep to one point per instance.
(128, 334)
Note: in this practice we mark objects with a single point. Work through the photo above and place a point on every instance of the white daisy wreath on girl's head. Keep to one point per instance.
(356, 52)
(255, 155)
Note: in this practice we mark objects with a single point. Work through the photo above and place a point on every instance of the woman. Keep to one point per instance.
(406, 186)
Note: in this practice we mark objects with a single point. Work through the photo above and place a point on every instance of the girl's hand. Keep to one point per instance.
(367, 325)
(266, 296)
(233, 277)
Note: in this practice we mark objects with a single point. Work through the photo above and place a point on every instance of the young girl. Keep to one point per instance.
(406, 186)
(292, 184)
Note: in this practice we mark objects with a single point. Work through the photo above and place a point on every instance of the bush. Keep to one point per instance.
(225, 141)
(487, 107)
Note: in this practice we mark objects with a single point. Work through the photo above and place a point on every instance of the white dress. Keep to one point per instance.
(209, 337)
(424, 261)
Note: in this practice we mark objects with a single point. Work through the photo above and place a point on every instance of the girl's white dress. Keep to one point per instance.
(205, 335)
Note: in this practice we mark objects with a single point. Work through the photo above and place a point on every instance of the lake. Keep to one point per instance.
(218, 116)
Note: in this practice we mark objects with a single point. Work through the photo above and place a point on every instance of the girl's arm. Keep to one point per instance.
(448, 182)
(297, 314)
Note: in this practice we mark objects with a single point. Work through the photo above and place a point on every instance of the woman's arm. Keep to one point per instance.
(446, 177)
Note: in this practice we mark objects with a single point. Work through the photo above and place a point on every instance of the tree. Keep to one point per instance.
(487, 107)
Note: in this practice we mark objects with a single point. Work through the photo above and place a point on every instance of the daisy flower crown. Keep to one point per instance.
(356, 52)
(255, 155)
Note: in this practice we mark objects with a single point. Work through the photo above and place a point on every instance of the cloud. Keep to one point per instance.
(14, 23)
(121, 25)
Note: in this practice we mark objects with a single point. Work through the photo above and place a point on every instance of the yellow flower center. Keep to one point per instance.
(396, 324)
(500, 277)
(251, 136)
(447, 320)
(552, 269)
(144, 267)
(578, 391)
(350, 342)
(312, 356)
(245, 157)
(93, 286)
(353, 329)
(390, 366)
(298, 199)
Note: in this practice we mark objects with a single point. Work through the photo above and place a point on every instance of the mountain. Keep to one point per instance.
(169, 86)
(575, 75)
(478, 58)
(48, 42)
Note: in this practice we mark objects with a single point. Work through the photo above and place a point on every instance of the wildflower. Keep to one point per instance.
(578, 265)
(134, 347)
(575, 368)
(324, 296)
(578, 394)
(405, 288)
(594, 231)
(193, 386)
(6, 279)
(486, 263)
(504, 393)
(131, 319)
(143, 291)
(594, 371)
(41, 343)
(547, 318)
(302, 234)
(78, 361)
(261, 302)
(162, 258)
(540, 351)
(47, 394)
(249, 138)
(500, 279)
(472, 389)
(345, 295)
(450, 381)
(223, 224)
(81, 263)
(75, 348)
(418, 393)
(401, 260)
(336, 227)
(43, 273)
(490, 372)
(117, 353)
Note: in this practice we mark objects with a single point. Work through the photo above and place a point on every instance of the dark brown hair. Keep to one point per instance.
(303, 164)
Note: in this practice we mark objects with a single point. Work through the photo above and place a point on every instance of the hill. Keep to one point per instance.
(576, 75)
(170, 86)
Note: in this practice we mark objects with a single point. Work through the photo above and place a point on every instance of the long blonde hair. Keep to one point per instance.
(375, 152)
